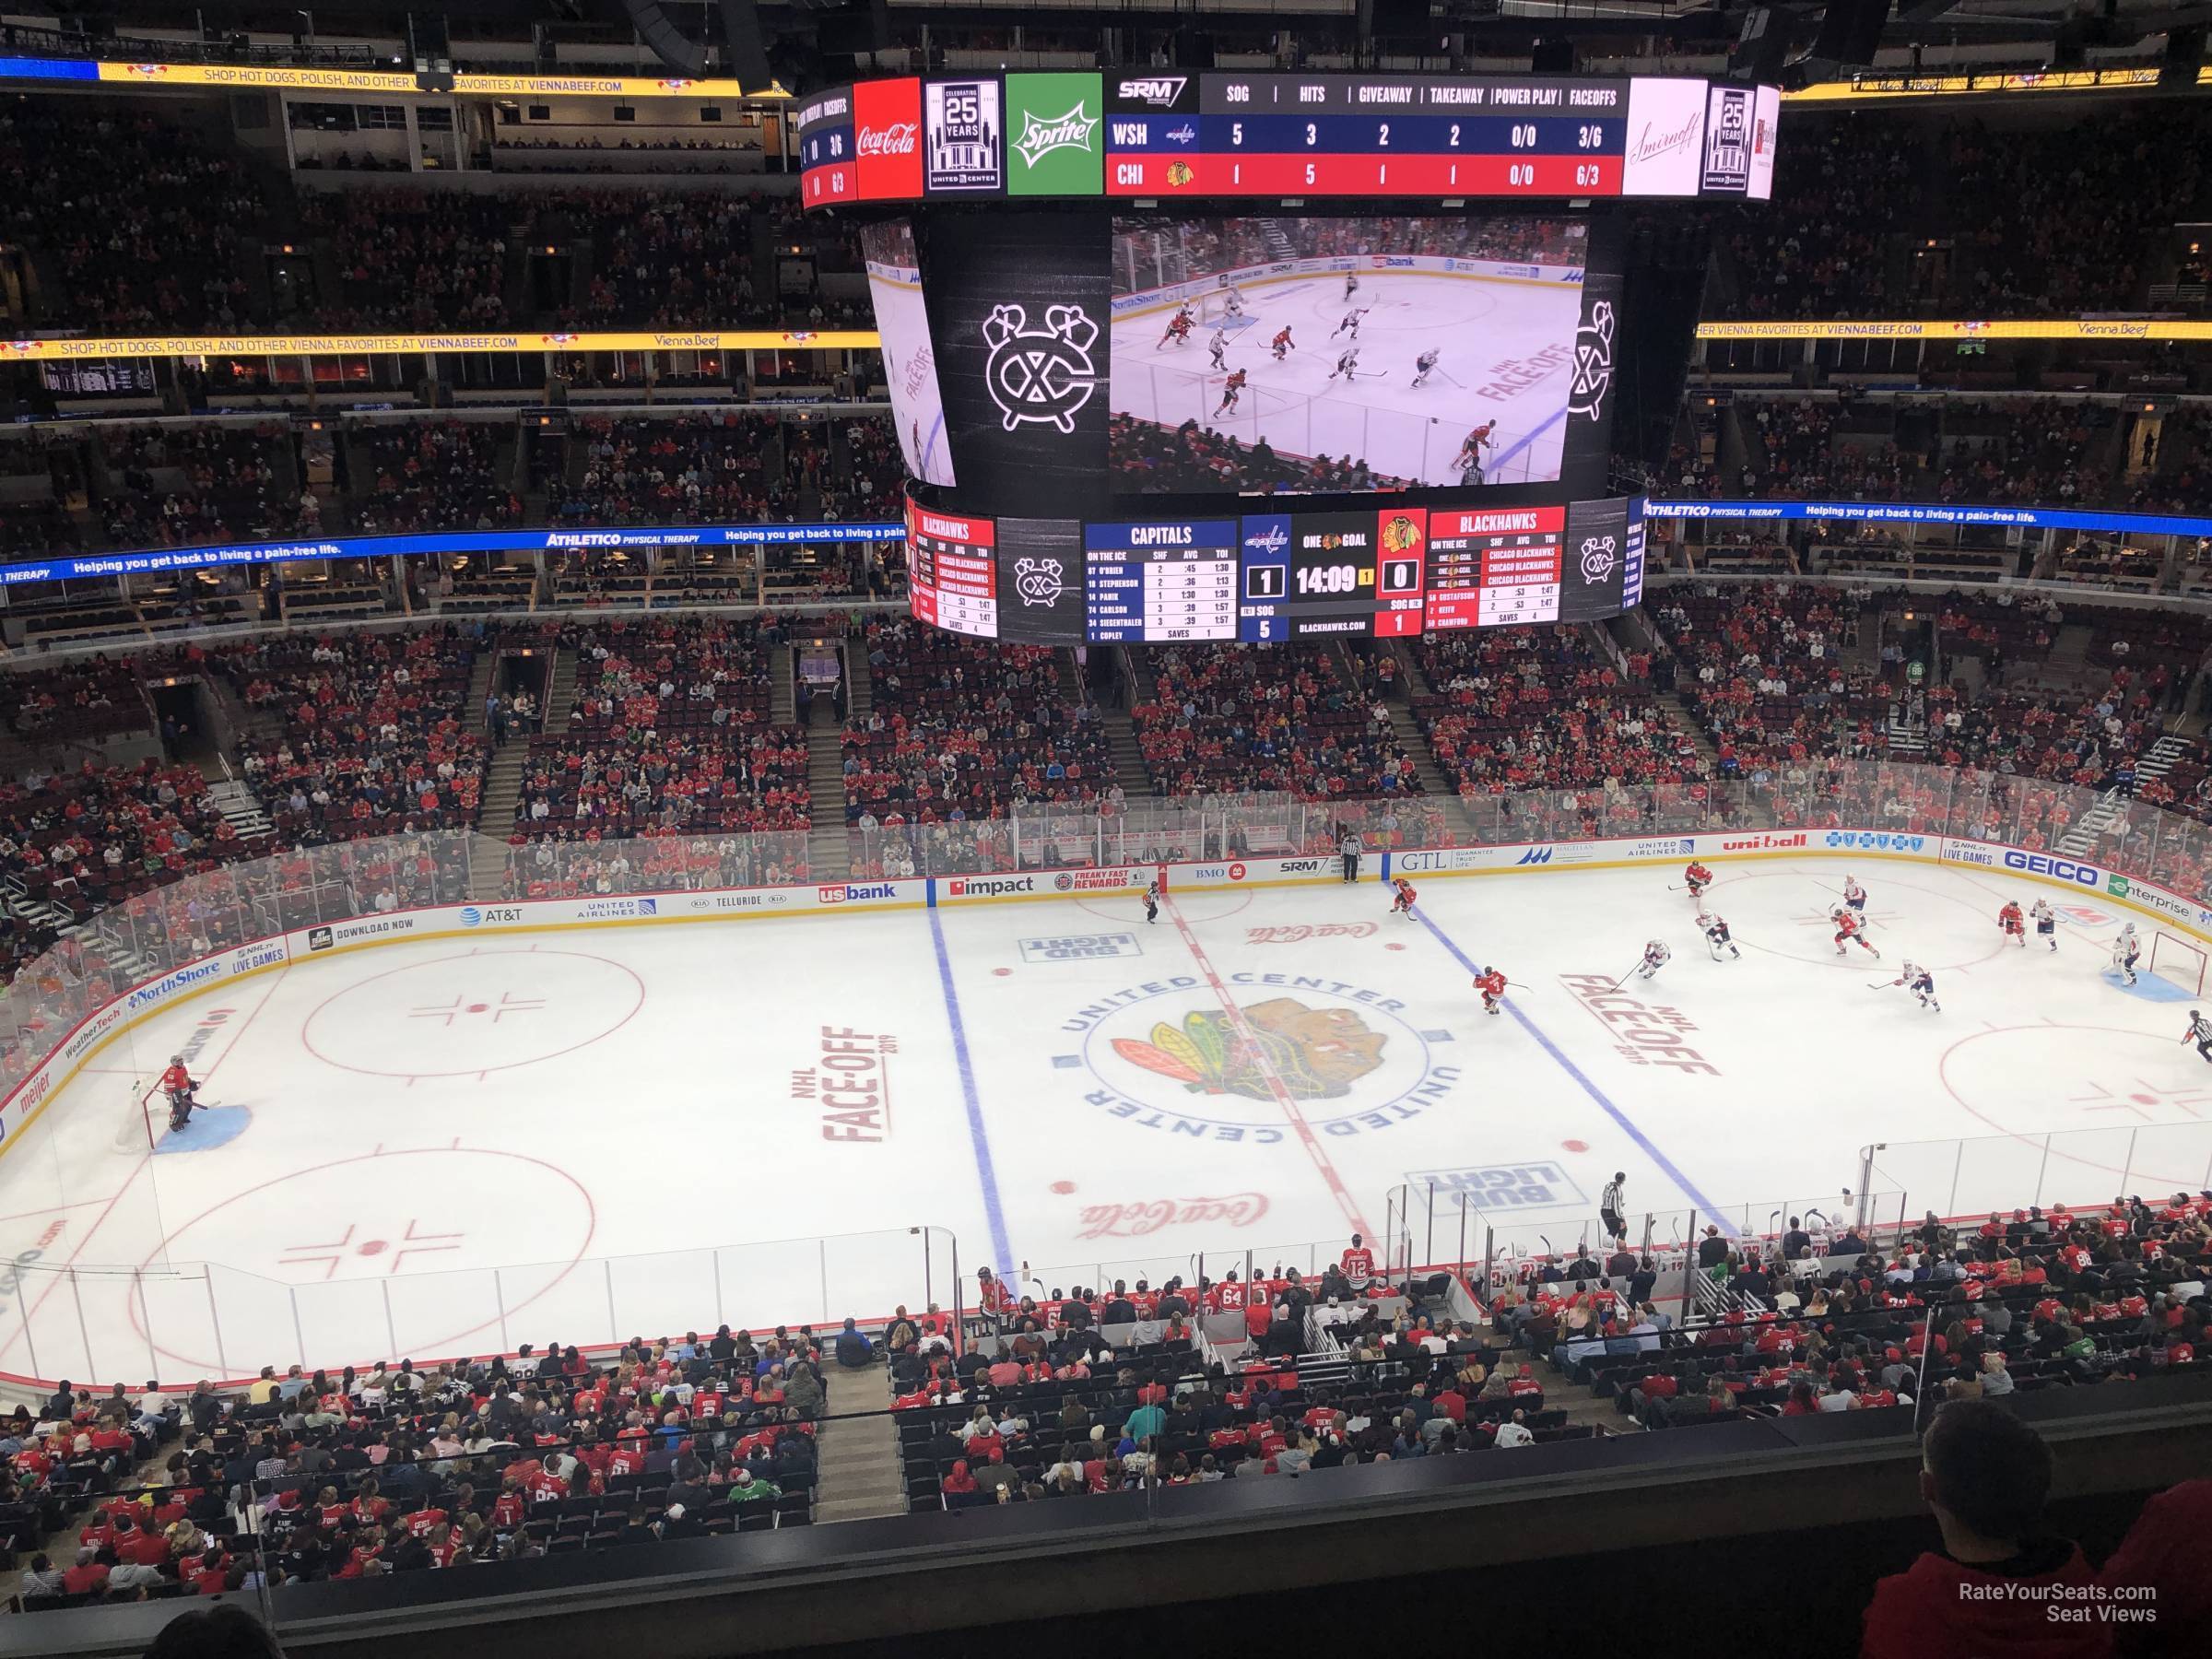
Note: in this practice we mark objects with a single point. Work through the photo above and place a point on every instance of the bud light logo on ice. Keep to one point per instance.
(1873, 841)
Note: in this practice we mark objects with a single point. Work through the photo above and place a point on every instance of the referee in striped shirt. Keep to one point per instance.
(1611, 1205)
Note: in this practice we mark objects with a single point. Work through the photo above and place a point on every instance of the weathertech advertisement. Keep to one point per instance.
(909, 362)
(1301, 355)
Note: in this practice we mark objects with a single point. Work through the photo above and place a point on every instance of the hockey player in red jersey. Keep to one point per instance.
(1358, 1263)
(1179, 329)
(1231, 389)
(179, 1089)
(1490, 981)
(1401, 901)
(2014, 922)
(1696, 879)
(1282, 343)
(1848, 928)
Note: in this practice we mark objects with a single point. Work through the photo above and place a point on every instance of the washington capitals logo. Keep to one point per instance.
(1040, 374)
(1593, 362)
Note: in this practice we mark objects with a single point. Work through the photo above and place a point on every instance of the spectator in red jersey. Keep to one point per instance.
(1986, 1475)
(2167, 1553)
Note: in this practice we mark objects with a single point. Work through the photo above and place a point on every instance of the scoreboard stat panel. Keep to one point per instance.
(1378, 573)
(1308, 137)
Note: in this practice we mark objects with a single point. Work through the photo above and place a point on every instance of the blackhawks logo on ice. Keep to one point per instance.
(1169, 1056)
(1040, 374)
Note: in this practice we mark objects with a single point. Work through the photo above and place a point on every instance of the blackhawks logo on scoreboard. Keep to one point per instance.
(1401, 534)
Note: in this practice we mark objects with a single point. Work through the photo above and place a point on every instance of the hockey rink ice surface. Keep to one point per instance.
(1056, 1083)
(1508, 356)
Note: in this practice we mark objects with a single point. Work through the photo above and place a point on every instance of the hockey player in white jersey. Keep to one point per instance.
(1425, 365)
(1919, 981)
(1350, 324)
(1717, 936)
(1347, 365)
(2128, 950)
(2046, 922)
(1351, 286)
(1655, 957)
(1218, 346)
(1854, 895)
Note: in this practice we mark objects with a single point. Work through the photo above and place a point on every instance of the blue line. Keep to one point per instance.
(1498, 464)
(1590, 1088)
(978, 1137)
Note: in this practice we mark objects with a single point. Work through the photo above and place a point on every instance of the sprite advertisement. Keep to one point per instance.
(1054, 143)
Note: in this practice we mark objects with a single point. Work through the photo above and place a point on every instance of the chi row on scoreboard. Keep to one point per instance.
(1384, 573)
(1063, 134)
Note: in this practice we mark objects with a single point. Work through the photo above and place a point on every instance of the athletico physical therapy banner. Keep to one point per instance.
(2021, 328)
(460, 541)
(1928, 513)
(250, 346)
(282, 77)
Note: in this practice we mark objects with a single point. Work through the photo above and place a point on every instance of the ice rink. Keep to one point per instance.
(1507, 351)
(1061, 1086)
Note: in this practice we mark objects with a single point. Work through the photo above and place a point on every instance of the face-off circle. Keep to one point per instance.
(423, 1220)
(471, 1013)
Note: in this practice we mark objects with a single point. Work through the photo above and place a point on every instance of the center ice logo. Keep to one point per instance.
(1167, 1056)
(1038, 581)
(1040, 374)
(1593, 362)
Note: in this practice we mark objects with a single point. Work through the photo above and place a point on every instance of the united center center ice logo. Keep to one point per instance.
(1040, 374)
(1593, 362)
(1167, 1056)
(1039, 580)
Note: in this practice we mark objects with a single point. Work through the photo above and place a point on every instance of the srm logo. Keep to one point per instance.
(1160, 91)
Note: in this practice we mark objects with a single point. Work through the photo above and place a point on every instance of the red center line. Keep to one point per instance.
(1276, 1085)
(144, 1164)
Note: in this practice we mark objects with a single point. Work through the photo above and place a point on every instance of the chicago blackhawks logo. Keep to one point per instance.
(1040, 374)
(1593, 362)
(1038, 581)
(1169, 1056)
(1598, 558)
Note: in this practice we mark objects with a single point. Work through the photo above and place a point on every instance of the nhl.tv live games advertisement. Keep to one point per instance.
(1295, 354)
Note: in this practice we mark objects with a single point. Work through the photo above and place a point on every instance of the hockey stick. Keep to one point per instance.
(1447, 375)
(1373, 374)
(1883, 985)
(1623, 979)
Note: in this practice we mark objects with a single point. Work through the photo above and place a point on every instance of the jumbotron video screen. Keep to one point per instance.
(1296, 355)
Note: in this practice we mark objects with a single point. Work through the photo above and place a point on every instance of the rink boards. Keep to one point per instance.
(532, 916)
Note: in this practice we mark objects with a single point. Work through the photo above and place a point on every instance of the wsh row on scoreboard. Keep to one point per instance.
(1310, 137)
(1372, 573)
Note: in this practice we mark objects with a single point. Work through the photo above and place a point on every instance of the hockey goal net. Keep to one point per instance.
(1213, 304)
(2178, 962)
(138, 1124)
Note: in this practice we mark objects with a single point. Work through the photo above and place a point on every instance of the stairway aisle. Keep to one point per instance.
(503, 776)
(857, 1473)
(829, 853)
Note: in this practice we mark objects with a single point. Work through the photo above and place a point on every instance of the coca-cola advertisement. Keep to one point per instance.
(887, 122)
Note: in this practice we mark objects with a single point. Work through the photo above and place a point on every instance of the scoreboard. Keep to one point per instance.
(952, 572)
(1313, 136)
(1371, 573)
(1492, 567)
(1160, 582)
